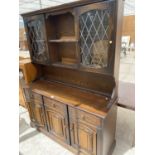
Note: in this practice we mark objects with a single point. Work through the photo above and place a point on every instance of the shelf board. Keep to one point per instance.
(59, 64)
(64, 39)
(39, 41)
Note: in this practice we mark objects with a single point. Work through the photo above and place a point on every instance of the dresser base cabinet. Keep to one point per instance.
(86, 139)
(80, 131)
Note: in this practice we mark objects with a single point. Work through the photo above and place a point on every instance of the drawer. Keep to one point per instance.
(89, 118)
(55, 105)
(36, 97)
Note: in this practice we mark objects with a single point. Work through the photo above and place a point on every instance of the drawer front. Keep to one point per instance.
(88, 118)
(55, 105)
(37, 97)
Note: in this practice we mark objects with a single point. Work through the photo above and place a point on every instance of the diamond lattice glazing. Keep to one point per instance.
(94, 38)
(36, 36)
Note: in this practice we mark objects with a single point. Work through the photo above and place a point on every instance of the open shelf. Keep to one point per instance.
(64, 39)
(60, 64)
(61, 28)
(64, 53)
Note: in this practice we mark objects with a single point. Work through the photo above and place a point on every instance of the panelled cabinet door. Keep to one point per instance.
(85, 136)
(39, 117)
(36, 36)
(96, 35)
(56, 124)
(87, 139)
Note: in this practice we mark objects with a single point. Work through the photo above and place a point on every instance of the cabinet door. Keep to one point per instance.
(57, 124)
(39, 116)
(87, 139)
(85, 135)
(37, 41)
(96, 35)
(37, 111)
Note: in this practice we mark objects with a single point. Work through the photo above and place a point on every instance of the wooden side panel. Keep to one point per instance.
(109, 130)
(21, 96)
(30, 110)
(119, 7)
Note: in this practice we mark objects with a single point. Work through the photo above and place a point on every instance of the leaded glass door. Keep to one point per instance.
(36, 34)
(96, 35)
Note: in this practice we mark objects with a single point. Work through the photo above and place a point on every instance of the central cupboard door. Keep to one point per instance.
(57, 120)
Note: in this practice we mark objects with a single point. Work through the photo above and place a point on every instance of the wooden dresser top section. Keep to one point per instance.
(62, 7)
(89, 102)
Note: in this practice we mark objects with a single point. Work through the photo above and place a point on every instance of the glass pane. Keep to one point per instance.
(37, 39)
(94, 38)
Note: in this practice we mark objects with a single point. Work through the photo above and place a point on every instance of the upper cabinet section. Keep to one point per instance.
(78, 37)
(36, 35)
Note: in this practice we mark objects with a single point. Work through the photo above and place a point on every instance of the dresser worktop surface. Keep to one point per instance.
(87, 101)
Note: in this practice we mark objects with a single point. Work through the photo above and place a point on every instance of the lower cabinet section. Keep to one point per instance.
(82, 131)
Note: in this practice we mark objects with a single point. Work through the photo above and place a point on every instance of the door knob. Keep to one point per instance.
(110, 42)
